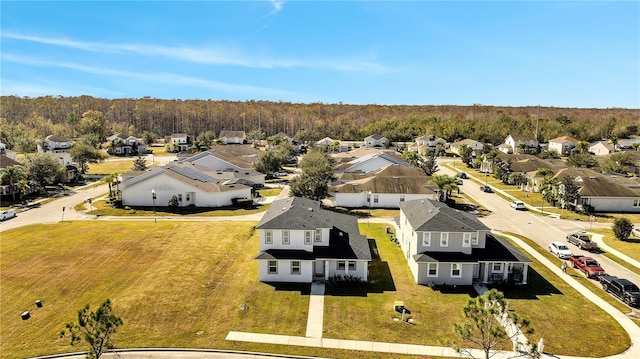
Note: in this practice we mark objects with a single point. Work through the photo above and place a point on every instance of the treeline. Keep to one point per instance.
(41, 116)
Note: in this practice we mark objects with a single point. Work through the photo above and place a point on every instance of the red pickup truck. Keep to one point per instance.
(589, 266)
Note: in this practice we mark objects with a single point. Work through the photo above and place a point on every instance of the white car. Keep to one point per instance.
(4, 215)
(560, 249)
(636, 232)
(519, 205)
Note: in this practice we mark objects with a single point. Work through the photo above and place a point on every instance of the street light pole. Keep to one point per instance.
(153, 198)
(369, 199)
(486, 178)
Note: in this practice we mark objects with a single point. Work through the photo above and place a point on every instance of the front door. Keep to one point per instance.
(318, 269)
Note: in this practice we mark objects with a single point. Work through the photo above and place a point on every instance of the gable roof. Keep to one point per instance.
(375, 136)
(390, 179)
(239, 156)
(466, 141)
(565, 139)
(297, 213)
(190, 175)
(6, 162)
(595, 184)
(56, 138)
(433, 216)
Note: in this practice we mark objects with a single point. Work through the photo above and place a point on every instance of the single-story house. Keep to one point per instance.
(233, 137)
(376, 140)
(563, 145)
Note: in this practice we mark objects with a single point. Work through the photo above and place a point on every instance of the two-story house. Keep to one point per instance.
(446, 246)
(516, 141)
(300, 242)
(122, 144)
(54, 144)
(563, 145)
(180, 140)
(474, 145)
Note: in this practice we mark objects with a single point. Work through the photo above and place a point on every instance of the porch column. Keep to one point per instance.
(525, 271)
(326, 270)
(485, 275)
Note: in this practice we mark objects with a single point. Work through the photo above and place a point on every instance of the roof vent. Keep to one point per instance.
(396, 177)
(310, 209)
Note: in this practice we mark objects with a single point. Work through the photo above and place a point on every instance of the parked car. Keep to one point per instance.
(458, 182)
(589, 266)
(486, 189)
(560, 249)
(462, 175)
(622, 288)
(518, 205)
(636, 232)
(4, 215)
(582, 240)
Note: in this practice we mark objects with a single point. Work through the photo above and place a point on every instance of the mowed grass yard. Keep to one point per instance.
(181, 284)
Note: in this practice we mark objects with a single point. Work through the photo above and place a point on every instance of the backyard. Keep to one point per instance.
(182, 284)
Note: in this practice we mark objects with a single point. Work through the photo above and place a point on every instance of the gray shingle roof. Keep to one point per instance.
(433, 216)
(296, 213)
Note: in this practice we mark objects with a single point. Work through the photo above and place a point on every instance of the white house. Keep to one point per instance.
(123, 144)
(446, 246)
(514, 142)
(563, 145)
(474, 145)
(54, 144)
(376, 140)
(181, 140)
(600, 148)
(382, 189)
(190, 185)
(300, 242)
(233, 137)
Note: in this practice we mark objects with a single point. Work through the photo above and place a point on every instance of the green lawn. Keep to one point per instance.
(102, 208)
(106, 168)
(630, 247)
(181, 284)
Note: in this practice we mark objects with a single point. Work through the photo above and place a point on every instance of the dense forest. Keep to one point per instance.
(24, 120)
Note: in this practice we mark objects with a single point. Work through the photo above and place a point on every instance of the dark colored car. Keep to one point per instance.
(486, 189)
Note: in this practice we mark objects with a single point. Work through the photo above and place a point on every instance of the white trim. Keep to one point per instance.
(285, 237)
(429, 269)
(268, 236)
(426, 239)
(444, 236)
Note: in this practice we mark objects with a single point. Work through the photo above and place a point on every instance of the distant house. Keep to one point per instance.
(181, 140)
(230, 159)
(233, 137)
(54, 144)
(327, 142)
(514, 142)
(191, 186)
(121, 144)
(563, 146)
(474, 145)
(424, 144)
(601, 148)
(376, 140)
(382, 189)
(446, 246)
(5, 188)
(7, 152)
(300, 242)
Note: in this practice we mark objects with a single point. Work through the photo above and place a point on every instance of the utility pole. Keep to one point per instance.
(537, 121)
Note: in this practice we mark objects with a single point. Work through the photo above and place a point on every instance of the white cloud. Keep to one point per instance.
(211, 55)
(277, 6)
(151, 78)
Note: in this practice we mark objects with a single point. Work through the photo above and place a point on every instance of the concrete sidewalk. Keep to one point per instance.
(598, 239)
(316, 311)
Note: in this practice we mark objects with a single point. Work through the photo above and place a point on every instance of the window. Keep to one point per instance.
(497, 268)
(318, 237)
(466, 240)
(456, 271)
(432, 269)
(444, 239)
(474, 238)
(375, 198)
(352, 265)
(295, 267)
(636, 202)
(188, 196)
(273, 267)
(268, 237)
(341, 265)
(285, 237)
(402, 198)
(179, 196)
(426, 239)
(307, 237)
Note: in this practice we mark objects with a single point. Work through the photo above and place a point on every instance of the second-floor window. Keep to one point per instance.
(268, 237)
(318, 237)
(307, 237)
(285, 237)
(466, 240)
(426, 239)
(444, 239)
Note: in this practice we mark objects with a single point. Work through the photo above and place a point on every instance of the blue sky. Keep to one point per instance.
(503, 53)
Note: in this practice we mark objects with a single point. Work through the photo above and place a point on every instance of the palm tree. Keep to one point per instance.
(544, 173)
(446, 185)
(583, 146)
(614, 141)
(522, 147)
(13, 175)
